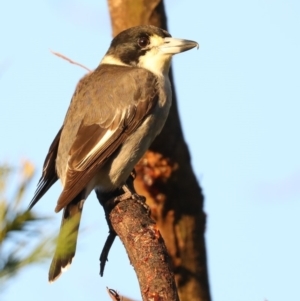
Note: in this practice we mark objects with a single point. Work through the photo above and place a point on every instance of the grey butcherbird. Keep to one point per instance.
(114, 115)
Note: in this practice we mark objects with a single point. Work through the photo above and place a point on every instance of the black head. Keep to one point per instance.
(146, 47)
(130, 44)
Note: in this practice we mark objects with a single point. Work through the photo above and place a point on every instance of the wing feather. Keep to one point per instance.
(99, 137)
(49, 175)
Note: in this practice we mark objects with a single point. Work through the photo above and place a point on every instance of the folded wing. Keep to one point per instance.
(95, 142)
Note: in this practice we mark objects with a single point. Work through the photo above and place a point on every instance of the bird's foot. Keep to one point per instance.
(129, 195)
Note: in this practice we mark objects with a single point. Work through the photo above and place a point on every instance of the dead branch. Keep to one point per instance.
(70, 61)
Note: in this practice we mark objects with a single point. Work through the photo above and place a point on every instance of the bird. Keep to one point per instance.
(114, 115)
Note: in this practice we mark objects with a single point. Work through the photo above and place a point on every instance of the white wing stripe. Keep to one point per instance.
(97, 147)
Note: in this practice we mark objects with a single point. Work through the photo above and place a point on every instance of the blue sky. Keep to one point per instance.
(239, 100)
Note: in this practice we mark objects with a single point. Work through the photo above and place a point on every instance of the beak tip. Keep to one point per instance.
(196, 45)
(173, 46)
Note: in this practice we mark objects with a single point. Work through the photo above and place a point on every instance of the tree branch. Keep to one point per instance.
(146, 250)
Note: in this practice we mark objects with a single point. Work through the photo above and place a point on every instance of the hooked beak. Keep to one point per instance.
(173, 46)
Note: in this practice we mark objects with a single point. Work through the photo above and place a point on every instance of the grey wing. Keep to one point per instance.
(126, 106)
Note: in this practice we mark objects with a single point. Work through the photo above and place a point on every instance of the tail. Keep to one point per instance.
(67, 239)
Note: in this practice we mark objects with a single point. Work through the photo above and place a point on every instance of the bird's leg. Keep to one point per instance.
(130, 193)
(125, 193)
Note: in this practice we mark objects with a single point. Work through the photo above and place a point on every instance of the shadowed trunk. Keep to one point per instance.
(165, 175)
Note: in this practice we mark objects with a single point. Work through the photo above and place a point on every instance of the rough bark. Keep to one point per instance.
(146, 250)
(165, 175)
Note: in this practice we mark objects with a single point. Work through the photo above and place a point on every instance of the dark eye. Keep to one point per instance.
(143, 42)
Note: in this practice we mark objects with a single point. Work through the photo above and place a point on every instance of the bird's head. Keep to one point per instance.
(147, 47)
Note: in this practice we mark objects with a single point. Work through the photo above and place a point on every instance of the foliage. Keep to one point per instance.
(21, 244)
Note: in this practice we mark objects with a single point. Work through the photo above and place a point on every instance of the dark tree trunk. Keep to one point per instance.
(165, 175)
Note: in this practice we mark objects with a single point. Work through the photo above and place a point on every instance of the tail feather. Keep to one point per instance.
(67, 239)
